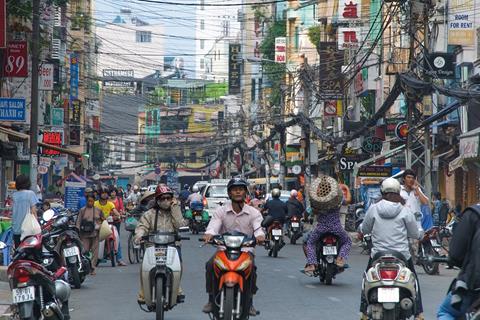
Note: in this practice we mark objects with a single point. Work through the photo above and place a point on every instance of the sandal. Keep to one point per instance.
(340, 262)
(310, 269)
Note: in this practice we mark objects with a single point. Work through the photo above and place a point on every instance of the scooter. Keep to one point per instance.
(233, 271)
(429, 246)
(108, 248)
(275, 239)
(327, 252)
(161, 272)
(294, 229)
(37, 292)
(390, 287)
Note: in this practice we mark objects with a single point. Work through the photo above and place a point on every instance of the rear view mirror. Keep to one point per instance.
(48, 215)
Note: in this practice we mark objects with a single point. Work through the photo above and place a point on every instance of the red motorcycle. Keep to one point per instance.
(294, 229)
(37, 291)
(428, 248)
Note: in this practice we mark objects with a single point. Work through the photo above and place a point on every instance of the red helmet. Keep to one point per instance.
(163, 189)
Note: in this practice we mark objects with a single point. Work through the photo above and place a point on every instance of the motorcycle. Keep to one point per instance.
(327, 251)
(365, 239)
(294, 229)
(108, 248)
(430, 246)
(37, 292)
(274, 240)
(65, 240)
(233, 270)
(161, 272)
(197, 217)
(390, 287)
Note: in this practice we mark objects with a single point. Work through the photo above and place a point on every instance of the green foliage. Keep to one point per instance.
(314, 35)
(215, 90)
(21, 9)
(98, 156)
(275, 72)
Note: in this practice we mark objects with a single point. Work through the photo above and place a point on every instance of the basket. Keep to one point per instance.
(325, 194)
(131, 224)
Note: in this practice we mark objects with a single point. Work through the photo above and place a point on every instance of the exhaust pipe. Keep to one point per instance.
(52, 312)
(406, 304)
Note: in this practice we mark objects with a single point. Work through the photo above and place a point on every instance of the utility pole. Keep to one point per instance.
(34, 94)
(427, 137)
(306, 135)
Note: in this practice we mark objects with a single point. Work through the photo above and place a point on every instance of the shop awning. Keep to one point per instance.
(385, 155)
(456, 163)
(24, 136)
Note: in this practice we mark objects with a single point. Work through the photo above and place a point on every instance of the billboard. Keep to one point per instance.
(461, 19)
(331, 79)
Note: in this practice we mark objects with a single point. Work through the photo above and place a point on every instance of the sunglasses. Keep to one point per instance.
(165, 198)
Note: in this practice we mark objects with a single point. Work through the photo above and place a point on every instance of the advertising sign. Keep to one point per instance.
(281, 50)
(331, 79)
(73, 192)
(375, 171)
(372, 144)
(349, 10)
(461, 19)
(45, 77)
(57, 117)
(53, 138)
(234, 67)
(349, 38)
(16, 60)
(441, 65)
(469, 147)
(3, 24)
(348, 162)
(73, 76)
(76, 113)
(12, 109)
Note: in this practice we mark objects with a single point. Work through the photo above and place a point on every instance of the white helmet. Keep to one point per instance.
(390, 185)
(195, 189)
(293, 193)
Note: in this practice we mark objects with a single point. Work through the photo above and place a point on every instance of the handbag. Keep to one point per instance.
(30, 226)
(87, 226)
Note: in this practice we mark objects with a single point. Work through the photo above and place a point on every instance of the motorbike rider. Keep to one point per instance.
(391, 223)
(328, 221)
(194, 197)
(165, 216)
(294, 207)
(464, 253)
(235, 215)
(276, 208)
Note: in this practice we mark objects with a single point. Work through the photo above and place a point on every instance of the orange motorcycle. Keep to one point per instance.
(233, 276)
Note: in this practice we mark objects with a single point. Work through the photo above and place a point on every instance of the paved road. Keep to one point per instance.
(284, 292)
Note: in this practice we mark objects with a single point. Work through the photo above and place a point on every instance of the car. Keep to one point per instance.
(200, 184)
(214, 194)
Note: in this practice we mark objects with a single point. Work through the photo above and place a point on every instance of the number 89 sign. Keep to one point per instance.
(16, 60)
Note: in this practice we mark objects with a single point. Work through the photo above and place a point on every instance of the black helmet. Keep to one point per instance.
(237, 182)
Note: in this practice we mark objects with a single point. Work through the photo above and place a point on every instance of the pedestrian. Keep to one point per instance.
(117, 220)
(128, 192)
(82, 200)
(88, 222)
(436, 204)
(24, 201)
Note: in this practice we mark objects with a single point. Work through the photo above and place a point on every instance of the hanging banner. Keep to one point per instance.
(234, 66)
(16, 60)
(331, 78)
(281, 50)
(461, 18)
(73, 76)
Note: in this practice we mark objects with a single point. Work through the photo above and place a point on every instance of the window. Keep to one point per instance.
(202, 4)
(193, 157)
(252, 90)
(143, 36)
(202, 63)
(202, 24)
(297, 37)
(202, 44)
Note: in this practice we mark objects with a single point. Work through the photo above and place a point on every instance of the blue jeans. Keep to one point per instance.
(447, 312)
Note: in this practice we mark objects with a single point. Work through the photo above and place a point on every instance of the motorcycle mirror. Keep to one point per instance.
(183, 229)
(48, 215)
(3, 245)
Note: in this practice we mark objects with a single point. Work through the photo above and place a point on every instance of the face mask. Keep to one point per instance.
(165, 205)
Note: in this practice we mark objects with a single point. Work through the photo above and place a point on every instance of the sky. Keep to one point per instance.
(175, 21)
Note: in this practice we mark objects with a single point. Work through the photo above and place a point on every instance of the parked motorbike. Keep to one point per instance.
(65, 240)
(233, 270)
(161, 272)
(327, 252)
(37, 292)
(294, 229)
(390, 287)
(429, 246)
(365, 239)
(197, 217)
(274, 241)
(108, 248)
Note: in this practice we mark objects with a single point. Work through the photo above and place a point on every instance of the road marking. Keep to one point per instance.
(310, 286)
(277, 270)
(292, 277)
(334, 299)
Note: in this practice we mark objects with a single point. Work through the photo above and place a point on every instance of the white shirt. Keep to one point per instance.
(412, 202)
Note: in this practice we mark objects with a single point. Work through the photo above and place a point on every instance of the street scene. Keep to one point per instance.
(239, 159)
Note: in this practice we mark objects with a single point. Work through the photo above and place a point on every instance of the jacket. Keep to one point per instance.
(295, 208)
(167, 221)
(390, 224)
(464, 247)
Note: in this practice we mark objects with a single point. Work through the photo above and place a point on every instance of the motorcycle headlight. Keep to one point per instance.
(233, 241)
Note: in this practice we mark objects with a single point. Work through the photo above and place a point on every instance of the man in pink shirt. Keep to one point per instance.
(233, 216)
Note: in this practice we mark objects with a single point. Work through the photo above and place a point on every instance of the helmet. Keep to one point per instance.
(195, 189)
(163, 189)
(390, 185)
(237, 182)
(293, 193)
(185, 186)
(276, 193)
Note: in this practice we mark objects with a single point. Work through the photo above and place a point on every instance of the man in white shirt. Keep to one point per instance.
(412, 193)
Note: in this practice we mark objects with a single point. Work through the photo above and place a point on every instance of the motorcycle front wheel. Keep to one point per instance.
(329, 274)
(159, 299)
(229, 304)
(431, 268)
(131, 249)
(390, 314)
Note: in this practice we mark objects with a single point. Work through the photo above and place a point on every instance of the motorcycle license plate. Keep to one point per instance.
(295, 225)
(434, 243)
(70, 252)
(277, 232)
(161, 256)
(198, 218)
(23, 294)
(329, 251)
(388, 295)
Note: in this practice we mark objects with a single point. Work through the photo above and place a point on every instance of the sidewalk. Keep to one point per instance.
(5, 295)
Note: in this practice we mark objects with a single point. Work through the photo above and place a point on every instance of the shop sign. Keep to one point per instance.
(45, 77)
(469, 147)
(372, 144)
(375, 171)
(53, 138)
(349, 10)
(349, 38)
(401, 130)
(57, 117)
(16, 60)
(73, 192)
(12, 109)
(74, 76)
(461, 22)
(76, 112)
(281, 50)
(331, 79)
(391, 125)
(348, 162)
(332, 108)
(3, 24)
(234, 66)
(441, 65)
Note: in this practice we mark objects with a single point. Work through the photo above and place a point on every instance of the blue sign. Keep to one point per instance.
(73, 76)
(73, 192)
(12, 109)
